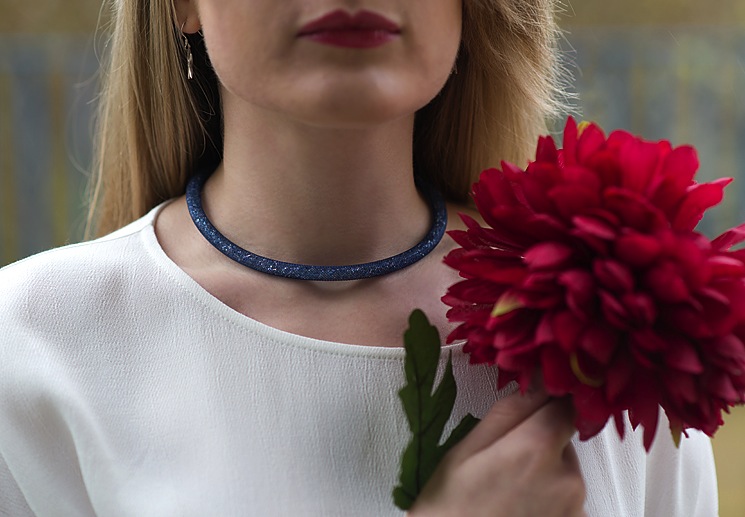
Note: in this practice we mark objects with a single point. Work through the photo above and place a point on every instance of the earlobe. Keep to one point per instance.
(186, 16)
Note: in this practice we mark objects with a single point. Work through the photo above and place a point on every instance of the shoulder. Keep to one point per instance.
(71, 279)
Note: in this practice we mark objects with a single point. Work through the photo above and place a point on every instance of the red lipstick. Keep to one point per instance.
(362, 30)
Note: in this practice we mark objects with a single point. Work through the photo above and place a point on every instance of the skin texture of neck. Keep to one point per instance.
(315, 195)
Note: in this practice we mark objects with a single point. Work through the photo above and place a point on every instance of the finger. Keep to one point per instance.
(551, 426)
(503, 417)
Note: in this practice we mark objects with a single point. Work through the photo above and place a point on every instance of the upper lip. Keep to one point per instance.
(342, 20)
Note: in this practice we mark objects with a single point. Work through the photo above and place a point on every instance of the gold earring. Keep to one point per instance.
(189, 56)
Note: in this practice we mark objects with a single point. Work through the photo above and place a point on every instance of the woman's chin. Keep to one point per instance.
(356, 108)
(353, 118)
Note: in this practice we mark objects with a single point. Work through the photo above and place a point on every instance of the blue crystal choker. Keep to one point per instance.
(312, 272)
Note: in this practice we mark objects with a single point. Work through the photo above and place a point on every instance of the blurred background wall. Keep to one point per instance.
(672, 69)
(47, 90)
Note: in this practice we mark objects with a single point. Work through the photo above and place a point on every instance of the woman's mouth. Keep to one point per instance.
(362, 30)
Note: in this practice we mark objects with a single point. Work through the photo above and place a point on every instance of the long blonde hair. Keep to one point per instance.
(155, 127)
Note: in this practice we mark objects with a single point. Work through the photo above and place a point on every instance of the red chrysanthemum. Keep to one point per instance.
(591, 272)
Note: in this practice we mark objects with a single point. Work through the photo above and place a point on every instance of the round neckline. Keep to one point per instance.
(246, 323)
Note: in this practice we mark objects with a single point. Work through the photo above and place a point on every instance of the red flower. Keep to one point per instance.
(591, 271)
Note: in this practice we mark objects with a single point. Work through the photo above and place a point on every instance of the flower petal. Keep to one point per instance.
(613, 310)
(676, 175)
(521, 358)
(546, 151)
(594, 226)
(649, 340)
(639, 161)
(567, 329)
(571, 200)
(585, 177)
(634, 210)
(726, 266)
(492, 270)
(641, 309)
(618, 139)
(637, 249)
(682, 388)
(544, 334)
(474, 291)
(593, 411)
(599, 342)
(532, 189)
(729, 346)
(618, 378)
(729, 238)
(680, 166)
(571, 135)
(666, 283)
(506, 304)
(722, 387)
(590, 142)
(646, 411)
(613, 275)
(684, 357)
(580, 292)
(698, 199)
(557, 376)
(489, 237)
(548, 255)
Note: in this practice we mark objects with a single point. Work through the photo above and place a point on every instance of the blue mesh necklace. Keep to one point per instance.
(312, 272)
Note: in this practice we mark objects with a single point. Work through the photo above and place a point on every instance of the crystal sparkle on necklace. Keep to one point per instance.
(313, 272)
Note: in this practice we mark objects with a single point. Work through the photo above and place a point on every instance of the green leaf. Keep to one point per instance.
(464, 427)
(422, 345)
(402, 498)
(427, 408)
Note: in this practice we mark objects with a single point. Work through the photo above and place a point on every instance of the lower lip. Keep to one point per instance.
(353, 38)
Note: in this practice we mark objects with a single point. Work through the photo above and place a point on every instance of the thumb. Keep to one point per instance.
(504, 415)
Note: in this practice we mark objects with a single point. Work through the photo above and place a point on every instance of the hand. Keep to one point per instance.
(517, 462)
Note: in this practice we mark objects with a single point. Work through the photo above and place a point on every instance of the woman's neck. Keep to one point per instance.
(316, 195)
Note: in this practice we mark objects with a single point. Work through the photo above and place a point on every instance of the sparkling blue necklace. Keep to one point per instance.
(318, 273)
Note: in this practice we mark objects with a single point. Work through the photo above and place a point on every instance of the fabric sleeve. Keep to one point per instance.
(681, 482)
(12, 501)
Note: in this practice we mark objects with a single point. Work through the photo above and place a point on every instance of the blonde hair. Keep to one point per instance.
(155, 127)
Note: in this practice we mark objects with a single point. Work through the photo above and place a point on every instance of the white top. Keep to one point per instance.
(126, 390)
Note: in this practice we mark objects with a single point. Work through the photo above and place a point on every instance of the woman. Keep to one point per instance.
(152, 373)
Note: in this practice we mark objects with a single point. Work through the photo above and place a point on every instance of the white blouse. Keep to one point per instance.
(126, 390)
